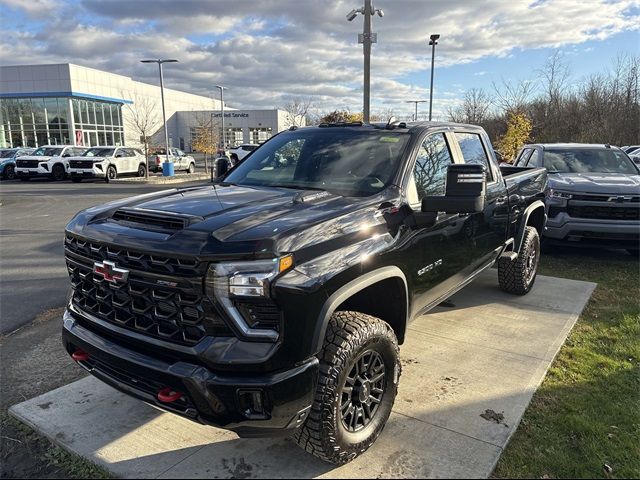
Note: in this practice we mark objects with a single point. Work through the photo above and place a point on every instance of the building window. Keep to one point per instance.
(103, 121)
(259, 135)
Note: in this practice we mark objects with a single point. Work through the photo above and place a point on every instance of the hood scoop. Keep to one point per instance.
(153, 220)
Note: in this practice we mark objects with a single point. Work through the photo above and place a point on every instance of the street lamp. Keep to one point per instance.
(164, 116)
(415, 117)
(366, 38)
(433, 42)
(222, 138)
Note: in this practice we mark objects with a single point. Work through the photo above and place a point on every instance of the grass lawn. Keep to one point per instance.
(586, 414)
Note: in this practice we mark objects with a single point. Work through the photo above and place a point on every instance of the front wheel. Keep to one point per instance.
(357, 385)
(192, 168)
(142, 170)
(112, 174)
(10, 172)
(519, 275)
(58, 173)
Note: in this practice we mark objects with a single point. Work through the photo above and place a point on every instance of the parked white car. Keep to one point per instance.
(47, 161)
(181, 161)
(238, 153)
(107, 163)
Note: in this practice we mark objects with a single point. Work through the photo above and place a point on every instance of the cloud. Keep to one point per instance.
(272, 50)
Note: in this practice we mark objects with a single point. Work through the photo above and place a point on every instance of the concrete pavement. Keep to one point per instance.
(470, 371)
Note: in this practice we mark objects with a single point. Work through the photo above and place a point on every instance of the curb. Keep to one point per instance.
(160, 180)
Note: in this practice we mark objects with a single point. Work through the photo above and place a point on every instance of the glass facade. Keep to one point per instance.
(259, 135)
(33, 122)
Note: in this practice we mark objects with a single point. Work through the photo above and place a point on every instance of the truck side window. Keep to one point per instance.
(535, 160)
(430, 172)
(473, 150)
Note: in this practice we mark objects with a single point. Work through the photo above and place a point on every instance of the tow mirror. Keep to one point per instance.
(465, 191)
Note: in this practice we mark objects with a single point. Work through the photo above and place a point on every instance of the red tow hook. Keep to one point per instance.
(80, 356)
(169, 395)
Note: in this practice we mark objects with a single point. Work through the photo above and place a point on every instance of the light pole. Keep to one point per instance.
(222, 139)
(366, 38)
(433, 42)
(415, 117)
(164, 116)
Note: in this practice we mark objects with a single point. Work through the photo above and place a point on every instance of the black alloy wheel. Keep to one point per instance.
(10, 172)
(362, 391)
(58, 173)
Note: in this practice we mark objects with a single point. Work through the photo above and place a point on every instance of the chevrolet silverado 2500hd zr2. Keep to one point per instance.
(273, 301)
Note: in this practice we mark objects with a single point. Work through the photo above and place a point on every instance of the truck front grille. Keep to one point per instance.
(135, 260)
(173, 309)
(604, 212)
(81, 164)
(27, 163)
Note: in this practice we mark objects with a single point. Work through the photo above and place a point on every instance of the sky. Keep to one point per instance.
(268, 52)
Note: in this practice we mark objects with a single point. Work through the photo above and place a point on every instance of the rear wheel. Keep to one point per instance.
(142, 170)
(112, 174)
(58, 173)
(357, 385)
(519, 275)
(10, 172)
(192, 168)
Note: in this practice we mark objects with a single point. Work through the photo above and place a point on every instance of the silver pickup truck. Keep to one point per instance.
(594, 194)
(181, 161)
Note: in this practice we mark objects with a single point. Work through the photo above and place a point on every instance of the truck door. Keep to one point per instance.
(434, 254)
(486, 231)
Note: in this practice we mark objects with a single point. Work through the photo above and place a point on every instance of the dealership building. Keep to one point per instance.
(67, 104)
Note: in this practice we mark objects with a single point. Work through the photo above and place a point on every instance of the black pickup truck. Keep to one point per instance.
(273, 301)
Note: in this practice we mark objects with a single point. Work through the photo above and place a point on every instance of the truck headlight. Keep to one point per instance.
(230, 282)
(560, 194)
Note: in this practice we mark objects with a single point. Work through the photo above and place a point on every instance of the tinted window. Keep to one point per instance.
(472, 150)
(535, 160)
(588, 160)
(430, 172)
(352, 162)
(524, 156)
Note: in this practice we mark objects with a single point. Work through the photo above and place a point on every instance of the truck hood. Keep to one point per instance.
(235, 221)
(40, 158)
(595, 182)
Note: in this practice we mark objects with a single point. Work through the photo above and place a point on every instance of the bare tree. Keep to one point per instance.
(297, 110)
(474, 108)
(143, 119)
(512, 97)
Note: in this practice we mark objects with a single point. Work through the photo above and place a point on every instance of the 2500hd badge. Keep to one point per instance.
(274, 301)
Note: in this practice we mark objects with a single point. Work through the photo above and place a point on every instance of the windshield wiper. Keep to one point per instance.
(295, 187)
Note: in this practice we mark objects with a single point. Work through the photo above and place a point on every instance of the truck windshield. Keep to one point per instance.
(588, 160)
(98, 152)
(47, 152)
(345, 161)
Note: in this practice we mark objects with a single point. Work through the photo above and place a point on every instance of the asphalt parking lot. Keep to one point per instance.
(33, 276)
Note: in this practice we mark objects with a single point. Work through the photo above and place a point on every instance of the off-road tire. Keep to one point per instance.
(518, 276)
(111, 174)
(58, 173)
(349, 337)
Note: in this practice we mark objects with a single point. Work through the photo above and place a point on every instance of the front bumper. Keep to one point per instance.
(250, 405)
(32, 172)
(618, 233)
(86, 173)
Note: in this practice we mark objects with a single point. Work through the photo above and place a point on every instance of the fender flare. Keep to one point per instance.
(525, 219)
(350, 289)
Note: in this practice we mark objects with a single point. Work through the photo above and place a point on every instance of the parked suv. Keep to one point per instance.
(273, 302)
(595, 194)
(47, 161)
(107, 163)
(8, 161)
(238, 153)
(181, 161)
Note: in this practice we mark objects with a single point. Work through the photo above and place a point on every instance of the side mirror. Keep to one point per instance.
(465, 191)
